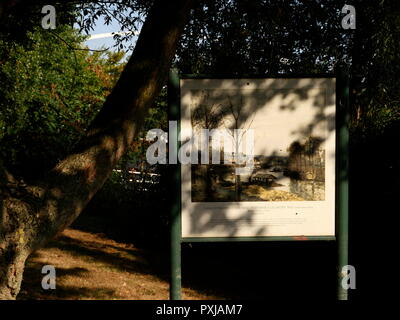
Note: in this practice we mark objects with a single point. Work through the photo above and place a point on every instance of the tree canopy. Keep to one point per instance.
(51, 90)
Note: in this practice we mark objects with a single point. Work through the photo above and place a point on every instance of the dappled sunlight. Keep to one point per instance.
(92, 266)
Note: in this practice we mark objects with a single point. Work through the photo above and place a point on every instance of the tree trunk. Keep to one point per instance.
(12, 264)
(30, 215)
(237, 187)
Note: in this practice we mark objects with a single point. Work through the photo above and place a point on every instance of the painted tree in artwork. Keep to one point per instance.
(207, 114)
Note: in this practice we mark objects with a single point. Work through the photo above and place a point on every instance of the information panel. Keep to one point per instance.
(258, 157)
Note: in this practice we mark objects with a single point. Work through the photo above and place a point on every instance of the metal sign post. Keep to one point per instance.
(342, 163)
(175, 191)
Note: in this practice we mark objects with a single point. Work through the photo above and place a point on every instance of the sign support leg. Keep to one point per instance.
(343, 183)
(175, 191)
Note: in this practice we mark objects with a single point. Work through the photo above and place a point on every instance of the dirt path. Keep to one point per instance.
(91, 266)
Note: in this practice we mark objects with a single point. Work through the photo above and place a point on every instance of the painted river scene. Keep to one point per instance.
(300, 176)
(288, 154)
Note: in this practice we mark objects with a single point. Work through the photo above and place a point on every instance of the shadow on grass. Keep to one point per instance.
(261, 270)
(31, 288)
(246, 270)
(257, 270)
(99, 253)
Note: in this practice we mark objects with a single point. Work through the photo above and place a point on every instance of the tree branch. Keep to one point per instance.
(67, 188)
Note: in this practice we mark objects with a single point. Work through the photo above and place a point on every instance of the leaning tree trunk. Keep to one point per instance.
(32, 214)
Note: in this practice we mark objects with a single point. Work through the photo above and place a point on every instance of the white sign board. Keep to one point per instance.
(290, 188)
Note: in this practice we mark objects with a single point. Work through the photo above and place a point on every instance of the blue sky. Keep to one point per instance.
(103, 30)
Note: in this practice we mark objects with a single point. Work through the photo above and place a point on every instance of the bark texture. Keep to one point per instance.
(32, 214)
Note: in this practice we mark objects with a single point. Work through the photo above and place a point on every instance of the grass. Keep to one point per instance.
(92, 266)
(94, 262)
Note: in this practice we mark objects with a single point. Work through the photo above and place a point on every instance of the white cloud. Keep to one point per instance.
(109, 35)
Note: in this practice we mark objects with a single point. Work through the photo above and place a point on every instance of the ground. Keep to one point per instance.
(268, 195)
(93, 260)
(250, 192)
(92, 266)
